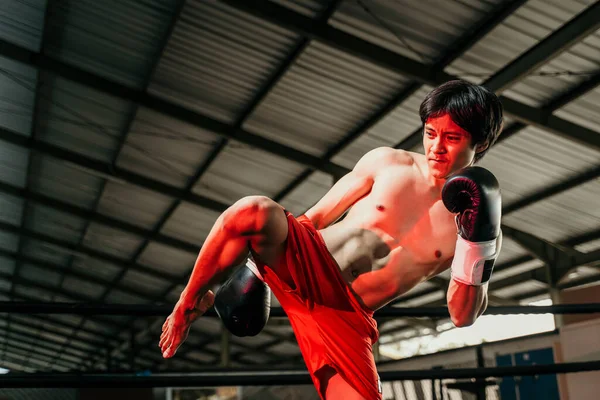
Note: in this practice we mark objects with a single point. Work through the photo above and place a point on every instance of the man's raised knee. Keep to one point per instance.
(252, 214)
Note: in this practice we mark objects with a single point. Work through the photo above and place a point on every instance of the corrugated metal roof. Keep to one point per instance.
(391, 130)
(307, 193)
(97, 268)
(8, 241)
(531, 23)
(46, 252)
(121, 297)
(59, 180)
(13, 160)
(22, 22)
(323, 96)
(562, 216)
(241, 171)
(178, 225)
(40, 275)
(560, 74)
(217, 57)
(165, 149)
(33, 293)
(310, 8)
(215, 63)
(163, 258)
(54, 223)
(79, 118)
(584, 111)
(589, 246)
(132, 204)
(111, 241)
(144, 282)
(115, 39)
(17, 85)
(410, 27)
(516, 270)
(87, 288)
(518, 289)
(510, 250)
(7, 265)
(534, 159)
(11, 209)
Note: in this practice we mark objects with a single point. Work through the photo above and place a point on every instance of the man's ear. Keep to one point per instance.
(482, 147)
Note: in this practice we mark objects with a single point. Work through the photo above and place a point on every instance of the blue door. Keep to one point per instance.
(508, 390)
(537, 386)
(534, 387)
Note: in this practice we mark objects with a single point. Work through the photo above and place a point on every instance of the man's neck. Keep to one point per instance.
(436, 184)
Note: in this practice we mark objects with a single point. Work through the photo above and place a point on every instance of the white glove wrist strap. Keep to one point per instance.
(473, 261)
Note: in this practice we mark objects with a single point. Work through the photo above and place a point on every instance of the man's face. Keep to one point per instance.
(447, 146)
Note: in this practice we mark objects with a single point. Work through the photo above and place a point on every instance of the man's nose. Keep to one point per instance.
(438, 145)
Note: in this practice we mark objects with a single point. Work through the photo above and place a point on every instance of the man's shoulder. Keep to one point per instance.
(393, 156)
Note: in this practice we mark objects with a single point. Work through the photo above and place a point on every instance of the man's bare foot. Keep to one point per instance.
(176, 327)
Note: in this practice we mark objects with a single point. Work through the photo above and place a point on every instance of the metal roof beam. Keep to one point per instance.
(17, 356)
(71, 248)
(479, 30)
(561, 259)
(104, 170)
(579, 27)
(161, 106)
(51, 267)
(104, 339)
(34, 133)
(36, 342)
(94, 216)
(288, 19)
(176, 10)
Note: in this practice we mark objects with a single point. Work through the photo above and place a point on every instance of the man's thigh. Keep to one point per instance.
(335, 387)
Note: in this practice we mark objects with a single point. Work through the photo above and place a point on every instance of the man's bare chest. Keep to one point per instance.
(428, 234)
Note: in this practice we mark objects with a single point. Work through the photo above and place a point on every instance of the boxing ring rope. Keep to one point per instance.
(230, 377)
(269, 377)
(17, 307)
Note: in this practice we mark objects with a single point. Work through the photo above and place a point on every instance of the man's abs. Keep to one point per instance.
(356, 250)
(376, 267)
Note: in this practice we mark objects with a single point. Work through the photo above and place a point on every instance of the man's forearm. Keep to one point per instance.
(466, 302)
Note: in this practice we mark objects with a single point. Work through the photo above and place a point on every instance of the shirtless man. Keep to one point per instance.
(409, 217)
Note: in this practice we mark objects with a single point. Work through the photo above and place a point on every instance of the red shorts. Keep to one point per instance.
(331, 326)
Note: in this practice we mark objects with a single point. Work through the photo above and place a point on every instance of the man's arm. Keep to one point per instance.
(474, 194)
(350, 188)
(467, 302)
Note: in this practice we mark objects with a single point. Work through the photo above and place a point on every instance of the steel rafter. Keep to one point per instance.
(279, 15)
(104, 338)
(161, 106)
(237, 127)
(147, 79)
(561, 259)
(33, 134)
(94, 216)
(464, 43)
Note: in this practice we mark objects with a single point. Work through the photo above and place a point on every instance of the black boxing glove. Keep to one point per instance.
(474, 193)
(243, 302)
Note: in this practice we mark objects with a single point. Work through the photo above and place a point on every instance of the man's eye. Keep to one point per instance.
(454, 138)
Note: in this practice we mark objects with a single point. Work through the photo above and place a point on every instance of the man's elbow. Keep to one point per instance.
(463, 321)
